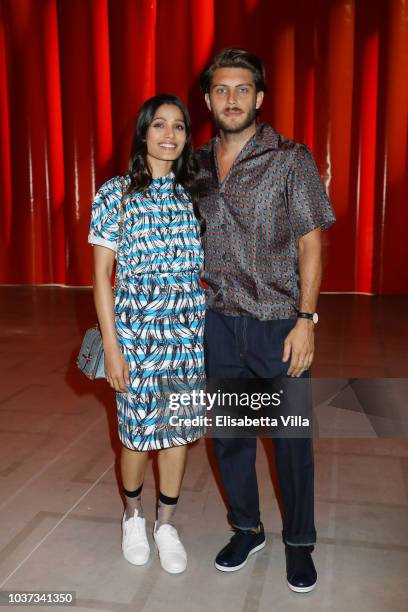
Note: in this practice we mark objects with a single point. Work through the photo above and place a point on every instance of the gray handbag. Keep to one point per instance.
(91, 357)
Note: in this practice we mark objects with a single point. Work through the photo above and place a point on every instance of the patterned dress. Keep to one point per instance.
(159, 308)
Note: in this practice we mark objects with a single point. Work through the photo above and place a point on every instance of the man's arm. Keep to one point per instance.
(299, 343)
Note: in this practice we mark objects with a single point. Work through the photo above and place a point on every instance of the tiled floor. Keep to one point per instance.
(60, 507)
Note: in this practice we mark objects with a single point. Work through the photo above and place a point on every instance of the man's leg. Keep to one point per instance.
(293, 456)
(236, 462)
(295, 466)
(235, 456)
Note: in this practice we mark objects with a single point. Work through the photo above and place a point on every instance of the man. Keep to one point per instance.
(264, 207)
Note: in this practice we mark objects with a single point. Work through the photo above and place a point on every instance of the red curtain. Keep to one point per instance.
(73, 74)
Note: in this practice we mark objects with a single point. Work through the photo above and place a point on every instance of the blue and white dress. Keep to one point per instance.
(159, 307)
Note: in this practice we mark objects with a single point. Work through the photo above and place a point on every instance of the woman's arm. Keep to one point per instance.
(116, 367)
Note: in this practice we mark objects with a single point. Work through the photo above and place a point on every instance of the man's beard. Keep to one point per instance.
(238, 127)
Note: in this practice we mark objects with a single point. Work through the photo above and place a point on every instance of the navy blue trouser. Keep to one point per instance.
(244, 347)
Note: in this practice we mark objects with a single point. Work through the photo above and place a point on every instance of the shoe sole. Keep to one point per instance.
(222, 568)
(132, 562)
(173, 572)
(301, 589)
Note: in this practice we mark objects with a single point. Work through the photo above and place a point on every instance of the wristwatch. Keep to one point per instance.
(313, 316)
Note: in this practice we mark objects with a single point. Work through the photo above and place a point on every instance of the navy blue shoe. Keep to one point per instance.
(242, 544)
(300, 570)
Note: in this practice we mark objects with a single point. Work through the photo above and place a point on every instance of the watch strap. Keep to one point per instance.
(312, 316)
(305, 315)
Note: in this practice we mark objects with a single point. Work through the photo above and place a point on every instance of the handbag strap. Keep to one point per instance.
(121, 216)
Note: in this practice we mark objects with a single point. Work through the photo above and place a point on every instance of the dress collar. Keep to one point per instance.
(162, 180)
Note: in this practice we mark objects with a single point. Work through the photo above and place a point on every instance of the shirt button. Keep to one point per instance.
(224, 226)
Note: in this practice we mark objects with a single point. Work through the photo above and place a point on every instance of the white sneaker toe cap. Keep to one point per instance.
(173, 563)
(139, 555)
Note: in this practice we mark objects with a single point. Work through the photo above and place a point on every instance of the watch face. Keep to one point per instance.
(315, 317)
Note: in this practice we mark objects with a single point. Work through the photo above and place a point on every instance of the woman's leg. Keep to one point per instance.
(172, 464)
(133, 466)
(135, 545)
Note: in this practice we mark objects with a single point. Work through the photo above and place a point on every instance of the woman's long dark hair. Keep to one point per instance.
(184, 167)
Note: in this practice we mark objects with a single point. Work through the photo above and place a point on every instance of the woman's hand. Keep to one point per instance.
(116, 369)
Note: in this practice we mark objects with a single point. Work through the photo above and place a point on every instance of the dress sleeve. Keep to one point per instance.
(308, 204)
(104, 228)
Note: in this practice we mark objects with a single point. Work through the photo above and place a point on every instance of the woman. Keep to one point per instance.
(152, 329)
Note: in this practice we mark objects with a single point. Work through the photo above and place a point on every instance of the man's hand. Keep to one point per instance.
(299, 346)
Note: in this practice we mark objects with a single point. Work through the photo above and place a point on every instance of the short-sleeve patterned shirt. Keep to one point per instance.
(272, 195)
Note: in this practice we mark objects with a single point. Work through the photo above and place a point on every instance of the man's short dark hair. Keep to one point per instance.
(234, 58)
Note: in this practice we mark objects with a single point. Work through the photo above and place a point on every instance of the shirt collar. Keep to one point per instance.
(264, 139)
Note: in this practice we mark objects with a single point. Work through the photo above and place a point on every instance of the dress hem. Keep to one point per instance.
(163, 446)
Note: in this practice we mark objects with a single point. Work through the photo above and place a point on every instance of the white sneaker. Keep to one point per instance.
(135, 546)
(173, 556)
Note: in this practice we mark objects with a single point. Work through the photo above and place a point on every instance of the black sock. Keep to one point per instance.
(166, 508)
